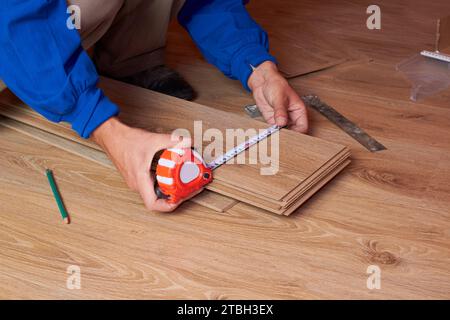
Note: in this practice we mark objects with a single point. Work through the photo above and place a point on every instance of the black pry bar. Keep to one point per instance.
(342, 122)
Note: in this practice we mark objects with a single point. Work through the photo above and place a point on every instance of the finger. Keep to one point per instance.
(268, 116)
(147, 191)
(298, 117)
(280, 107)
(151, 200)
(269, 119)
(264, 107)
(146, 188)
(163, 206)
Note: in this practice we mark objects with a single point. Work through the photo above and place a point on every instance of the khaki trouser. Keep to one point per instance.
(129, 35)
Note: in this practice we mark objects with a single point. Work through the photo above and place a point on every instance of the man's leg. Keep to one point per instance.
(129, 38)
(133, 48)
(97, 16)
(135, 41)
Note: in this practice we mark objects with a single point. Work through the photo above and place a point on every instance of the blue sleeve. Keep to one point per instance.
(227, 36)
(43, 63)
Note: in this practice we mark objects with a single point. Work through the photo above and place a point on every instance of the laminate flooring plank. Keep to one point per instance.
(126, 252)
(389, 208)
(317, 152)
(409, 26)
(296, 202)
(13, 108)
(161, 113)
(211, 201)
(166, 114)
(302, 49)
(277, 206)
(59, 142)
(207, 198)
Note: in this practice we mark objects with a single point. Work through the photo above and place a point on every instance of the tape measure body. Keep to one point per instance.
(180, 173)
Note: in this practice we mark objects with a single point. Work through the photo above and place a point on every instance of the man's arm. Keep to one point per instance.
(231, 40)
(43, 63)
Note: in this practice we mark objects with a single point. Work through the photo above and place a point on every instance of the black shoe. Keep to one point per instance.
(164, 80)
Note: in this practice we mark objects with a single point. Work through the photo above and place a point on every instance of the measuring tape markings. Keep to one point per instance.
(243, 146)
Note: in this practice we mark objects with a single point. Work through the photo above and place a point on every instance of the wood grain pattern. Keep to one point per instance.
(57, 141)
(299, 47)
(124, 251)
(13, 108)
(207, 198)
(303, 49)
(166, 114)
(159, 113)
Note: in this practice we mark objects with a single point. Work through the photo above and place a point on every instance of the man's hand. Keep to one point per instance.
(277, 101)
(132, 151)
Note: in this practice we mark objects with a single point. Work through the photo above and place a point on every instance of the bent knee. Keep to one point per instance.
(95, 13)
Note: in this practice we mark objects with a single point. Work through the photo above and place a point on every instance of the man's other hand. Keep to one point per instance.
(132, 151)
(277, 101)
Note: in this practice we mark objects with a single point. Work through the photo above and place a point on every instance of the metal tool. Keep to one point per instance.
(338, 119)
(436, 55)
(342, 122)
(253, 111)
(182, 172)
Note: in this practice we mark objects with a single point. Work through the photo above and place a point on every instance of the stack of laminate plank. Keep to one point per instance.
(305, 163)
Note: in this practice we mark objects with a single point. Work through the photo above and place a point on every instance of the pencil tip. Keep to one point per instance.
(66, 220)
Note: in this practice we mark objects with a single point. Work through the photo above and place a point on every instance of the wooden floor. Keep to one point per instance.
(390, 209)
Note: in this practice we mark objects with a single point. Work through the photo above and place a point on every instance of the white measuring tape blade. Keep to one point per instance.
(243, 146)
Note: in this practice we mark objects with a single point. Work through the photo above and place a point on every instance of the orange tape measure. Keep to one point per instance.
(180, 173)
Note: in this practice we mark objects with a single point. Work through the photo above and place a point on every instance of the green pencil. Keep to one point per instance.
(56, 194)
